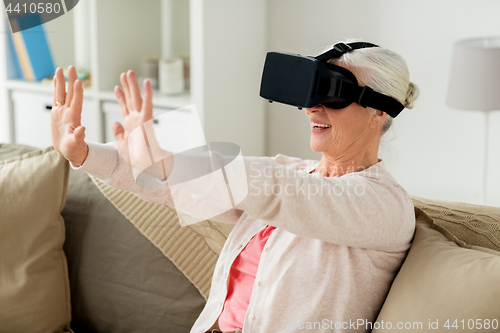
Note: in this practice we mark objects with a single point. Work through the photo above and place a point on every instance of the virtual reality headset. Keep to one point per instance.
(305, 82)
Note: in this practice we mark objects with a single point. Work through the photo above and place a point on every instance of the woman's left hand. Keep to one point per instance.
(137, 111)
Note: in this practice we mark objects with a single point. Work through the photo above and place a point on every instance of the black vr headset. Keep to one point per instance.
(308, 81)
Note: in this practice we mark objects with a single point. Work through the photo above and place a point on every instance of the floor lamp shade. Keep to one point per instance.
(475, 75)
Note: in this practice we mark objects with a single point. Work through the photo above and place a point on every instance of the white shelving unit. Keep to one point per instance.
(224, 39)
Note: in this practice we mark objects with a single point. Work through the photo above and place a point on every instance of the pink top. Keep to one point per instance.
(241, 280)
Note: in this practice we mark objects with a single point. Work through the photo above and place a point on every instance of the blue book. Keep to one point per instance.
(13, 67)
(32, 48)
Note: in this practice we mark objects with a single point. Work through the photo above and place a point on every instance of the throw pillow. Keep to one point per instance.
(34, 286)
(442, 287)
(468, 225)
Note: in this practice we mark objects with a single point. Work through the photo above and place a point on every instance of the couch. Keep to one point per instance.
(77, 255)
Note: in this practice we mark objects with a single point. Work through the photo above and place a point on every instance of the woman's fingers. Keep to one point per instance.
(72, 77)
(120, 96)
(77, 99)
(118, 131)
(55, 86)
(126, 90)
(135, 92)
(73, 136)
(79, 133)
(147, 102)
(60, 91)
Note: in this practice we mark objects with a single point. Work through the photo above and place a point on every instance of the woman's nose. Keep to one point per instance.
(316, 108)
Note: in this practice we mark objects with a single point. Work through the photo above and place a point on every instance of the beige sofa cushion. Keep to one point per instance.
(441, 282)
(34, 287)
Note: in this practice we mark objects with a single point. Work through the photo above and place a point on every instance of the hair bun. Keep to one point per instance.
(411, 95)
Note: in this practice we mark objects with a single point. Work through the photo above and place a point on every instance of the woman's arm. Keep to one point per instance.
(364, 209)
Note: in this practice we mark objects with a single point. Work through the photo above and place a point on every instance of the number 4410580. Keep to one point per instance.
(472, 324)
(34, 8)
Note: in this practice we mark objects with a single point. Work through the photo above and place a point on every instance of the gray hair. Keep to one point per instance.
(384, 71)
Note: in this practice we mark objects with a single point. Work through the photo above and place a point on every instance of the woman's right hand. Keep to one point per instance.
(65, 118)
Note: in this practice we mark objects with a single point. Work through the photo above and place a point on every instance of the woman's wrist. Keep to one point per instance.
(79, 160)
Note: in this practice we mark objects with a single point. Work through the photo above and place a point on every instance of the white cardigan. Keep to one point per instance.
(329, 264)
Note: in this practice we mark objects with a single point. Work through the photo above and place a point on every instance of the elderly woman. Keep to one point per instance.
(296, 259)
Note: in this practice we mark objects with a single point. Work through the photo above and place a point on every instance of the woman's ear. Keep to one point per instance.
(378, 118)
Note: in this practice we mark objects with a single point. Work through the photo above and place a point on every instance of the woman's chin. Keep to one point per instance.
(315, 146)
(320, 140)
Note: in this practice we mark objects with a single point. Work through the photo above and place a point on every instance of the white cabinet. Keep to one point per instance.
(225, 40)
(32, 118)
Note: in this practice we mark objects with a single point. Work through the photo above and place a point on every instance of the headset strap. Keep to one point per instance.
(340, 48)
(366, 96)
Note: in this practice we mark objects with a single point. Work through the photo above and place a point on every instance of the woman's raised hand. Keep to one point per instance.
(66, 130)
(137, 111)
